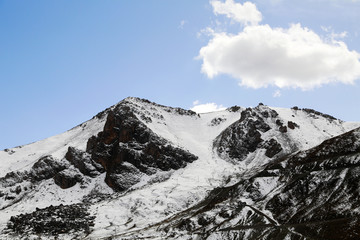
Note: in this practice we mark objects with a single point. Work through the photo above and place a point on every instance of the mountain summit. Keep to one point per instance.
(142, 170)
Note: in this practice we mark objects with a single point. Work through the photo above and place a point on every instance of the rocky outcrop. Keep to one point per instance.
(67, 178)
(127, 150)
(234, 109)
(244, 136)
(273, 191)
(312, 194)
(272, 147)
(53, 220)
(320, 194)
(45, 168)
(315, 114)
(14, 185)
(217, 121)
(292, 125)
(83, 161)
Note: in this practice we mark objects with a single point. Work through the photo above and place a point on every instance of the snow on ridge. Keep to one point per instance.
(312, 129)
(190, 131)
(23, 157)
(184, 187)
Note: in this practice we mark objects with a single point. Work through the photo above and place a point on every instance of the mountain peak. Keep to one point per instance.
(170, 171)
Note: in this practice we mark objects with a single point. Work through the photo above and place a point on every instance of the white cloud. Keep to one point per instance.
(246, 13)
(259, 56)
(332, 35)
(207, 107)
(277, 94)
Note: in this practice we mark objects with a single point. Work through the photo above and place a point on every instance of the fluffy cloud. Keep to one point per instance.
(207, 107)
(246, 13)
(260, 56)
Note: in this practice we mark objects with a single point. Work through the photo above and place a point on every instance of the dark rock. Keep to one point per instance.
(243, 136)
(67, 178)
(146, 118)
(234, 108)
(292, 125)
(312, 193)
(317, 189)
(265, 114)
(53, 220)
(314, 113)
(91, 144)
(45, 168)
(123, 176)
(272, 148)
(204, 220)
(217, 121)
(185, 112)
(9, 197)
(127, 149)
(9, 151)
(186, 224)
(342, 145)
(82, 161)
(283, 129)
(279, 122)
(13, 178)
(18, 190)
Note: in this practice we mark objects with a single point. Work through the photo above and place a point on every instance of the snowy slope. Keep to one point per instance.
(159, 196)
(313, 129)
(23, 157)
(191, 185)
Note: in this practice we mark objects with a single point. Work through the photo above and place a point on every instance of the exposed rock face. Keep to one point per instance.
(244, 136)
(67, 178)
(45, 168)
(53, 220)
(321, 194)
(217, 121)
(127, 150)
(266, 186)
(272, 148)
(234, 108)
(313, 113)
(16, 184)
(292, 125)
(82, 161)
(283, 129)
(313, 194)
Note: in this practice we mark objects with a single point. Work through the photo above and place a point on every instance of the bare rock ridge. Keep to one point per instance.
(244, 135)
(127, 149)
(140, 170)
(312, 194)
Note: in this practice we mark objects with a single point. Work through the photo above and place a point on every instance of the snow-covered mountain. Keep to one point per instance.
(143, 170)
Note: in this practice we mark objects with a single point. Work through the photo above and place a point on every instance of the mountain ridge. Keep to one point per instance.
(152, 161)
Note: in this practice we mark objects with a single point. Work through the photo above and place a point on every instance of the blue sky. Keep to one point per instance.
(61, 62)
